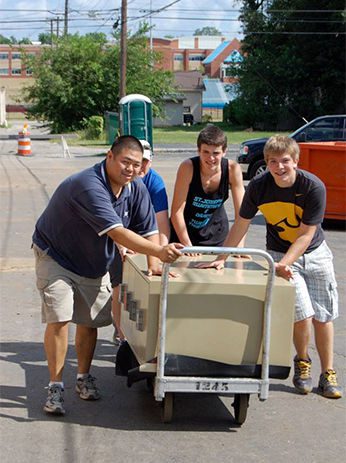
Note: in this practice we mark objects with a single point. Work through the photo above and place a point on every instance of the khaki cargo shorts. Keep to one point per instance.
(70, 297)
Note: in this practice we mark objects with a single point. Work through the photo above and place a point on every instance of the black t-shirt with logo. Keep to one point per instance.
(285, 208)
(204, 214)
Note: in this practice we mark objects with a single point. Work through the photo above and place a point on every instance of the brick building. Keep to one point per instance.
(14, 74)
(190, 53)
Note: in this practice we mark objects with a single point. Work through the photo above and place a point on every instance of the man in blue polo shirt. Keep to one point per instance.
(74, 247)
(158, 195)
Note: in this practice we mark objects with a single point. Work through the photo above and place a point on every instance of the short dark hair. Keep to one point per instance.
(212, 135)
(126, 142)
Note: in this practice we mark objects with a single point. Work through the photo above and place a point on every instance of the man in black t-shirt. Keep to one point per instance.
(293, 203)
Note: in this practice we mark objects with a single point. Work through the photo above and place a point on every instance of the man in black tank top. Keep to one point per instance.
(198, 216)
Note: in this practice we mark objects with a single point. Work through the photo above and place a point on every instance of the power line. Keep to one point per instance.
(312, 21)
(237, 20)
(19, 10)
(296, 33)
(163, 8)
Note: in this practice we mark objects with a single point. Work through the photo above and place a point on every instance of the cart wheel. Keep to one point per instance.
(167, 408)
(240, 404)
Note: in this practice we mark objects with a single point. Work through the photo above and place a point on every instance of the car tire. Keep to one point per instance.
(258, 168)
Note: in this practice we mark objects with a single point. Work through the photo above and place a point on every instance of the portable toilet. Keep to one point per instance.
(112, 125)
(136, 117)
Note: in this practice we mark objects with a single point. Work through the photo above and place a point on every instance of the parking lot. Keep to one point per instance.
(125, 425)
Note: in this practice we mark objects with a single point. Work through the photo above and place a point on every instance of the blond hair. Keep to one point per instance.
(280, 144)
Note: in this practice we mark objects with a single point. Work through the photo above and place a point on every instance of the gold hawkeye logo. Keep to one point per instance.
(284, 217)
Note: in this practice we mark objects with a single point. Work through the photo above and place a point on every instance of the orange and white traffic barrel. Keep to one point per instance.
(24, 142)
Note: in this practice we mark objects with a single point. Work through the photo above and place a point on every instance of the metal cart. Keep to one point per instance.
(166, 348)
(166, 386)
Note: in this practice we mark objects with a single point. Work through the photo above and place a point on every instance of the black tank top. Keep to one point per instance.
(205, 216)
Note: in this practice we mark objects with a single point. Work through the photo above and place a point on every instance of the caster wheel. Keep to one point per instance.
(167, 408)
(240, 404)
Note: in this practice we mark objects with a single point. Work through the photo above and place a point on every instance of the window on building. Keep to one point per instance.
(16, 71)
(196, 57)
(16, 55)
(195, 62)
(4, 72)
(178, 64)
(28, 72)
(3, 55)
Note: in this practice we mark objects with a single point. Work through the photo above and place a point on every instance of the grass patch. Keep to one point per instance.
(80, 140)
(178, 134)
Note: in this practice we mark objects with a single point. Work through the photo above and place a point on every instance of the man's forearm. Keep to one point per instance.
(181, 230)
(296, 250)
(300, 245)
(237, 232)
(137, 243)
(164, 228)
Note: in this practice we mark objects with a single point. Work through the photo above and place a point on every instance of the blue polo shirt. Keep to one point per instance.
(157, 190)
(83, 209)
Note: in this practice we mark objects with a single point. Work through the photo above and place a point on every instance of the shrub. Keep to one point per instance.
(93, 127)
(207, 118)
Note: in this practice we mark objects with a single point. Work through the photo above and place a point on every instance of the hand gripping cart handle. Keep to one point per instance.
(166, 386)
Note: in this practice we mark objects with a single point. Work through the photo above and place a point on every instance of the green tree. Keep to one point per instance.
(295, 62)
(207, 30)
(13, 41)
(4, 40)
(46, 38)
(79, 78)
(24, 41)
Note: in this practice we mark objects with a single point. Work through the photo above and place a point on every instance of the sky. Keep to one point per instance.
(181, 18)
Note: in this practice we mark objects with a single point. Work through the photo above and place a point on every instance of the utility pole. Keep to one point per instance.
(57, 26)
(123, 49)
(151, 24)
(51, 32)
(66, 18)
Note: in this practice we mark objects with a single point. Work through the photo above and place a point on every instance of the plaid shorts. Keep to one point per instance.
(316, 287)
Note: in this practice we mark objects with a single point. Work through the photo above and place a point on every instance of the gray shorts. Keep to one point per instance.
(316, 287)
(70, 297)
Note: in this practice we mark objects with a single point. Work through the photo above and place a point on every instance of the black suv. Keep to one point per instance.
(323, 128)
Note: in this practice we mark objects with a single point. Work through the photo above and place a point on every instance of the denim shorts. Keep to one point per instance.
(67, 296)
(316, 287)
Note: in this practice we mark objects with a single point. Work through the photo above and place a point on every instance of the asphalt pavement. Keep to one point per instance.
(125, 424)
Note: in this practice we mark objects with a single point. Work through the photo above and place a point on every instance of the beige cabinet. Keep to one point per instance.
(214, 316)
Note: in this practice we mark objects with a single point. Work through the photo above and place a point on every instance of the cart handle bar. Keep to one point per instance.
(211, 250)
